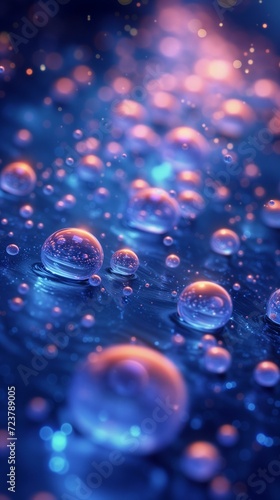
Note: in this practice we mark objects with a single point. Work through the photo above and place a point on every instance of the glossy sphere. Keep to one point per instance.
(267, 374)
(130, 398)
(191, 204)
(217, 359)
(72, 253)
(12, 249)
(186, 148)
(225, 242)
(152, 210)
(89, 168)
(201, 461)
(273, 307)
(18, 178)
(271, 213)
(124, 262)
(227, 435)
(205, 306)
(172, 261)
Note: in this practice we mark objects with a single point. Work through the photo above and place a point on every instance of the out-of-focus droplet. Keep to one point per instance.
(267, 374)
(217, 359)
(152, 210)
(18, 178)
(271, 213)
(201, 461)
(225, 242)
(130, 398)
(172, 261)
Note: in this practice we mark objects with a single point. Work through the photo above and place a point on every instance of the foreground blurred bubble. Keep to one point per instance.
(130, 398)
(267, 373)
(18, 178)
(72, 253)
(205, 306)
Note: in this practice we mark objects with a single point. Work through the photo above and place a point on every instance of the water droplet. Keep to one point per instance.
(127, 290)
(205, 306)
(217, 359)
(95, 280)
(225, 242)
(26, 211)
(273, 307)
(69, 161)
(124, 262)
(271, 213)
(227, 435)
(72, 253)
(23, 288)
(167, 241)
(126, 387)
(172, 261)
(267, 374)
(152, 210)
(228, 159)
(90, 168)
(201, 461)
(12, 249)
(87, 320)
(18, 178)
(191, 204)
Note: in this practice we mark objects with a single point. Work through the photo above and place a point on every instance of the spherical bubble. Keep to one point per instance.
(217, 359)
(267, 374)
(69, 200)
(101, 195)
(124, 262)
(201, 461)
(225, 242)
(48, 189)
(72, 253)
(18, 178)
(228, 159)
(26, 211)
(273, 307)
(205, 306)
(167, 241)
(153, 210)
(69, 161)
(16, 303)
(188, 180)
(95, 280)
(271, 213)
(208, 341)
(191, 204)
(172, 261)
(23, 288)
(227, 435)
(234, 118)
(87, 320)
(127, 290)
(12, 249)
(236, 286)
(186, 148)
(129, 398)
(137, 185)
(90, 168)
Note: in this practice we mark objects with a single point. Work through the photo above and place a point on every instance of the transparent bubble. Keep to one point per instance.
(90, 168)
(48, 189)
(69, 161)
(172, 261)
(188, 180)
(236, 286)
(225, 242)
(69, 200)
(95, 280)
(129, 398)
(72, 253)
(228, 159)
(201, 461)
(273, 307)
(191, 204)
(101, 195)
(127, 290)
(16, 303)
(267, 374)
(23, 288)
(205, 306)
(2, 69)
(137, 185)
(77, 134)
(124, 262)
(87, 320)
(208, 341)
(227, 435)
(152, 210)
(26, 211)
(167, 240)
(271, 213)
(18, 178)
(12, 249)
(217, 359)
